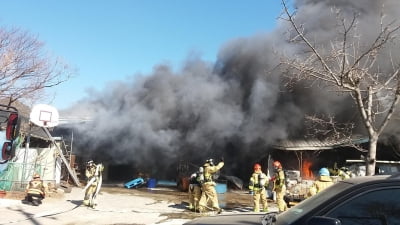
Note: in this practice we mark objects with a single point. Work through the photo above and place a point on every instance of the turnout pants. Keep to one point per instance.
(209, 198)
(194, 196)
(260, 196)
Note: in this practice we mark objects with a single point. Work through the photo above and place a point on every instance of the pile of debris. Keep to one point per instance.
(297, 187)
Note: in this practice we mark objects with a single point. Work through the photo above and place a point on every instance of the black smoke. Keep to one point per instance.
(235, 108)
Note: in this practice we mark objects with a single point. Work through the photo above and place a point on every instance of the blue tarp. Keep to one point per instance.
(134, 183)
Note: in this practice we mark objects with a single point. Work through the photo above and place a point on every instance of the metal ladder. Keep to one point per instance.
(68, 155)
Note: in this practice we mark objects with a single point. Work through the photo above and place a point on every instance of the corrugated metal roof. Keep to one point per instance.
(39, 133)
(315, 144)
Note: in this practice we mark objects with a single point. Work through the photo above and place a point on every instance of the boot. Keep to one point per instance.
(86, 202)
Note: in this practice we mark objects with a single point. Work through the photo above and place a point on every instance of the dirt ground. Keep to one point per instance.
(116, 205)
(232, 201)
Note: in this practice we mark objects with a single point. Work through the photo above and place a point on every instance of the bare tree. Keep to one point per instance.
(350, 64)
(25, 68)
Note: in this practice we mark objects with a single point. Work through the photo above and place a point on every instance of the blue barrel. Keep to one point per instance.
(151, 183)
(221, 188)
(134, 183)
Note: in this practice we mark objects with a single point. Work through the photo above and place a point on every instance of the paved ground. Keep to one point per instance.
(116, 205)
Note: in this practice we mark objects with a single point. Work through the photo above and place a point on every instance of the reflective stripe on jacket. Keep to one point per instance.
(258, 181)
(279, 181)
(36, 187)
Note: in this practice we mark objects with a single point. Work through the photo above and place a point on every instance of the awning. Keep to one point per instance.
(315, 144)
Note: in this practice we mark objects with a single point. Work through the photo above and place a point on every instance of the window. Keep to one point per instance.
(378, 207)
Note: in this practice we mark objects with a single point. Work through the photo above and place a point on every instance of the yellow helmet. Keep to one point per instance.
(36, 175)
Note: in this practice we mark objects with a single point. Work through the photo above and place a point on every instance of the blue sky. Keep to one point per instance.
(111, 40)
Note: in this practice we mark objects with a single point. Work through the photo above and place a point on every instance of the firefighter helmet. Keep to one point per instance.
(257, 167)
(36, 175)
(277, 165)
(324, 172)
(89, 163)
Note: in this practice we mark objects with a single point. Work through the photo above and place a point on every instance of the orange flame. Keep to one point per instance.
(306, 171)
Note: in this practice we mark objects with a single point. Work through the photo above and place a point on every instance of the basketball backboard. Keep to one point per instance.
(44, 116)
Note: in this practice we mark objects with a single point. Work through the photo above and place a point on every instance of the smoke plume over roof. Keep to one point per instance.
(234, 108)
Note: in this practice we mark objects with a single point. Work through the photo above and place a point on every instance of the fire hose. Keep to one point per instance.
(99, 179)
(40, 215)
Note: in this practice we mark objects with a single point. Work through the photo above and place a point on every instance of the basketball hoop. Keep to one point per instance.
(44, 116)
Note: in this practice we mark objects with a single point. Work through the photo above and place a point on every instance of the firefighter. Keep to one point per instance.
(324, 180)
(195, 190)
(94, 178)
(344, 173)
(209, 198)
(257, 185)
(35, 190)
(279, 186)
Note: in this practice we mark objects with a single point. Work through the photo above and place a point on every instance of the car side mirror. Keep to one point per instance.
(12, 128)
(6, 151)
(322, 220)
(12, 132)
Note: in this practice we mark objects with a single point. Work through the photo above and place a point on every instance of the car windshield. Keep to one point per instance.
(306, 206)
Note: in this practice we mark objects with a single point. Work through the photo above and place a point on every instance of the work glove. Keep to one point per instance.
(251, 192)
